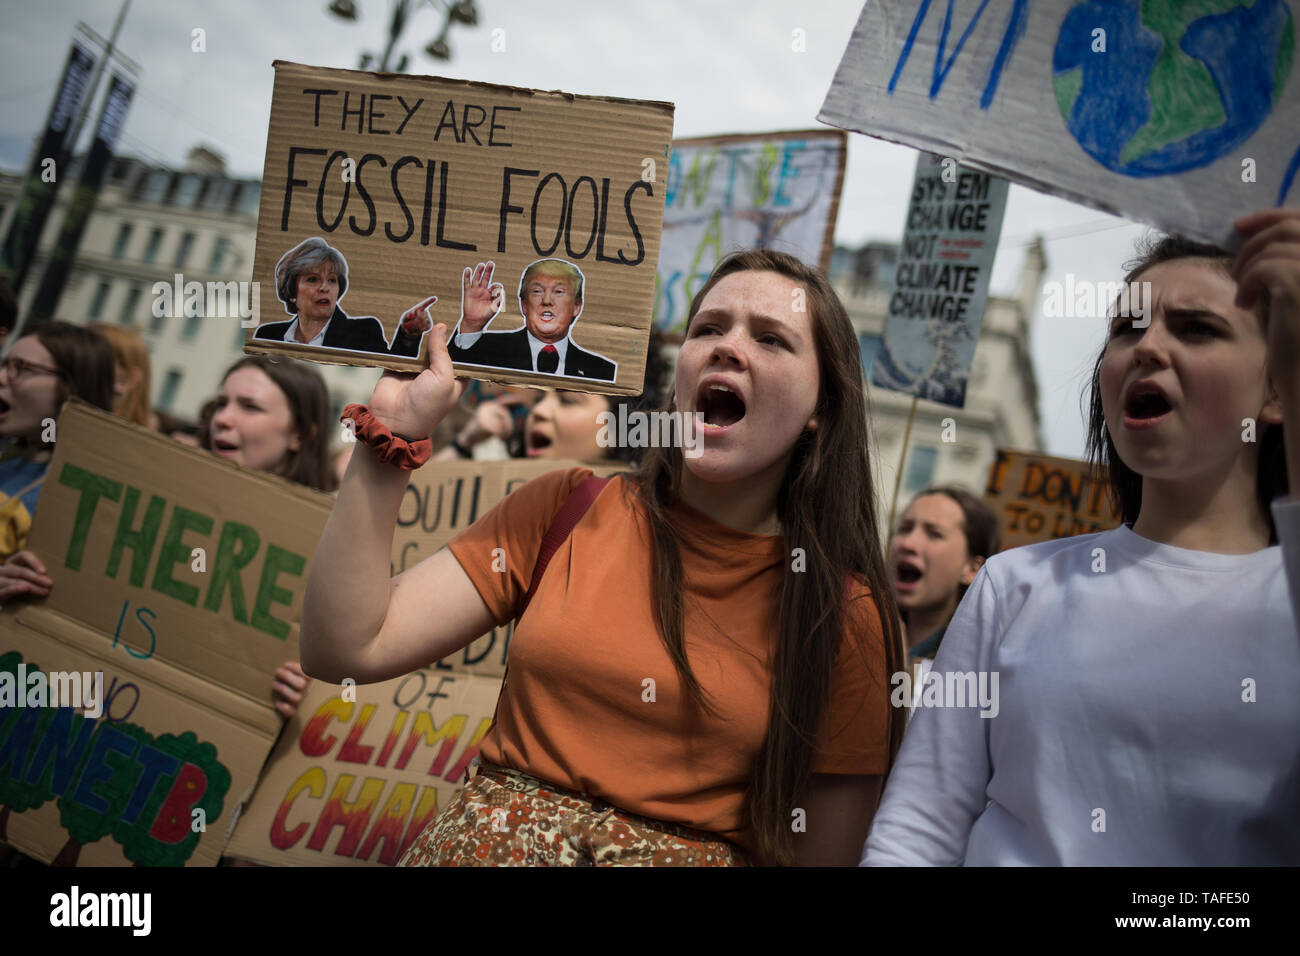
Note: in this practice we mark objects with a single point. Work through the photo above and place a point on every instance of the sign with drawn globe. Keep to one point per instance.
(1184, 114)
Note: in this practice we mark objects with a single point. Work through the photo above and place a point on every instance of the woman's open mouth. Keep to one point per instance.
(1145, 409)
(538, 443)
(720, 405)
(224, 448)
(906, 576)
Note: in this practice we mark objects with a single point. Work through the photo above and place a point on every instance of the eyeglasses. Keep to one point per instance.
(16, 368)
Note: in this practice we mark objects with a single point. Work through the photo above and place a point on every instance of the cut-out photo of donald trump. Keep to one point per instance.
(550, 298)
(311, 279)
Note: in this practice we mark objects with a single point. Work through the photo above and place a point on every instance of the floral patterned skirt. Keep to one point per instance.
(506, 818)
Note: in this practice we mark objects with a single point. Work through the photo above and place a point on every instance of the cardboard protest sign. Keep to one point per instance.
(941, 282)
(533, 217)
(150, 776)
(1182, 115)
(173, 553)
(442, 499)
(361, 771)
(1040, 498)
(746, 191)
(180, 577)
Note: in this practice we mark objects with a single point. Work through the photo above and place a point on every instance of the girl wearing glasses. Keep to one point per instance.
(42, 371)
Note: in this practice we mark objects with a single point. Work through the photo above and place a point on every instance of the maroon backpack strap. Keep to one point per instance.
(562, 525)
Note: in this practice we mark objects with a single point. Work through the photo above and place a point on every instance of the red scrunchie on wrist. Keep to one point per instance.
(392, 449)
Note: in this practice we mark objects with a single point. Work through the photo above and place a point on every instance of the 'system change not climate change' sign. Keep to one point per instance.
(382, 191)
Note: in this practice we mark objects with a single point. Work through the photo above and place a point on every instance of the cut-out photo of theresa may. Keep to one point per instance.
(311, 279)
(550, 300)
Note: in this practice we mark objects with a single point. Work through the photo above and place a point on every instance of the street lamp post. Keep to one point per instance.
(454, 11)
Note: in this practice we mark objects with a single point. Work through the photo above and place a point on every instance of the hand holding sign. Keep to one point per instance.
(23, 574)
(1269, 261)
(289, 686)
(480, 297)
(414, 405)
(417, 319)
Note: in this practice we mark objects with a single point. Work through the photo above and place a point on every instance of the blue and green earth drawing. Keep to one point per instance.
(1182, 82)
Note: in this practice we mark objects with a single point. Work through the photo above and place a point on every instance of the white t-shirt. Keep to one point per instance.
(1147, 714)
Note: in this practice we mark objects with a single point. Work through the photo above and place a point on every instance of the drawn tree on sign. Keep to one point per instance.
(162, 834)
(19, 727)
(88, 824)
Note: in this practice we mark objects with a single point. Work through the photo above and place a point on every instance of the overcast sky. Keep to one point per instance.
(726, 71)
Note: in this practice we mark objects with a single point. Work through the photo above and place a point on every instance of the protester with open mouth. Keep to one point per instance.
(943, 539)
(1150, 675)
(43, 370)
(701, 672)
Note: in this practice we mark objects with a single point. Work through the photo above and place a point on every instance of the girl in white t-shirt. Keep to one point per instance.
(1133, 697)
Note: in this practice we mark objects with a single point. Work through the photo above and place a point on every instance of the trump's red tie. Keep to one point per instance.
(548, 359)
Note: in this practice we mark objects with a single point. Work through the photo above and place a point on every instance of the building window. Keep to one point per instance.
(122, 241)
(97, 303)
(155, 185)
(250, 194)
(183, 253)
(920, 468)
(220, 195)
(219, 250)
(187, 190)
(128, 308)
(868, 346)
(190, 331)
(171, 385)
(151, 250)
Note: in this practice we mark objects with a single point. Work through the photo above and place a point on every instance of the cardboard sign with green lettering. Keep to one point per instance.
(180, 577)
(412, 180)
(1040, 498)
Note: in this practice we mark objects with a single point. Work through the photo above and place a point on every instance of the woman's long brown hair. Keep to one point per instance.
(826, 505)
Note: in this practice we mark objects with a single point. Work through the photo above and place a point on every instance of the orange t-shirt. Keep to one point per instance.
(575, 710)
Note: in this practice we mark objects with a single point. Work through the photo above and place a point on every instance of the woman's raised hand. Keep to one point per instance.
(413, 405)
(1269, 261)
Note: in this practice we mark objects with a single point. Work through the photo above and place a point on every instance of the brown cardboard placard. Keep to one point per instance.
(153, 779)
(415, 179)
(180, 577)
(1041, 497)
(174, 553)
(360, 771)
